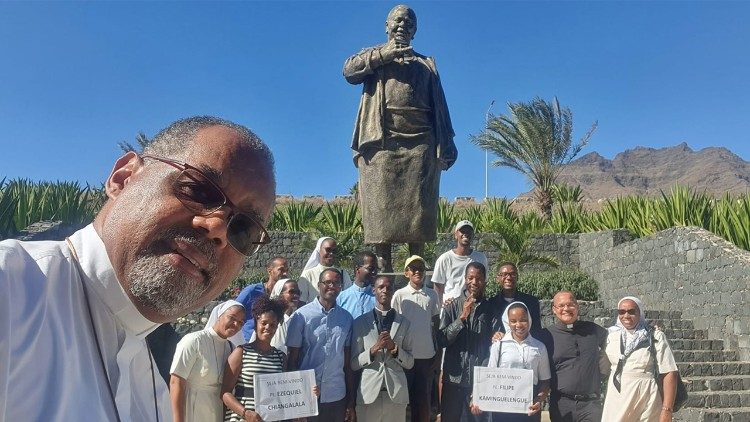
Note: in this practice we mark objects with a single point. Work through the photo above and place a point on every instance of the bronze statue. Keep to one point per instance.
(403, 138)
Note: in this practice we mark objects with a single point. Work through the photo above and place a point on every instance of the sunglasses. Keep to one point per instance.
(630, 312)
(199, 194)
(331, 283)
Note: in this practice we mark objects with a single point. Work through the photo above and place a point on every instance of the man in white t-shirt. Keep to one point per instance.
(448, 275)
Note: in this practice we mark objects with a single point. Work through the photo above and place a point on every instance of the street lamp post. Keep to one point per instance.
(486, 155)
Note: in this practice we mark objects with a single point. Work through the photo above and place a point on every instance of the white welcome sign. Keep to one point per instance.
(285, 395)
(508, 390)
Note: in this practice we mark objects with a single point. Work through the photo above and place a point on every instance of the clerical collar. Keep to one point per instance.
(381, 312)
(362, 289)
(568, 327)
(100, 276)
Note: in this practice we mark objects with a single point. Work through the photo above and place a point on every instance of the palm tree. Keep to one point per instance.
(140, 138)
(513, 241)
(534, 139)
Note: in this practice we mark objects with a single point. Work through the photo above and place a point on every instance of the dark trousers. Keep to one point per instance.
(563, 409)
(454, 405)
(419, 379)
(515, 417)
(330, 412)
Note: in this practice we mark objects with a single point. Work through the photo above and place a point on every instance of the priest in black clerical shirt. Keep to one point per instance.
(577, 361)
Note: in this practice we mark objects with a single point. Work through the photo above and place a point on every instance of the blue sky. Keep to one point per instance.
(77, 77)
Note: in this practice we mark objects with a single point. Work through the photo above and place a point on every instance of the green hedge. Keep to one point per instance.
(544, 284)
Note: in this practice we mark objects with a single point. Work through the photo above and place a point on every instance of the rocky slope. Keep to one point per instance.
(647, 171)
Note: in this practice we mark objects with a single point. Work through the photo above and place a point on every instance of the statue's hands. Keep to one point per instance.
(444, 164)
(447, 156)
(392, 51)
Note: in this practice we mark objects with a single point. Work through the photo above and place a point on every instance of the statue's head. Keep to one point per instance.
(401, 25)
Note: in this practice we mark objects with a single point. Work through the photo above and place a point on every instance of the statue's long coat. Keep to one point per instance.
(398, 180)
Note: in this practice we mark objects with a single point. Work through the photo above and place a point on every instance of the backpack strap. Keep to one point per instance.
(652, 350)
(499, 352)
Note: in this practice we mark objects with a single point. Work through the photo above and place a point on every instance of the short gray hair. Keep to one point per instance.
(174, 140)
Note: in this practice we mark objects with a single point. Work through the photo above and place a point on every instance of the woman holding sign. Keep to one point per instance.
(257, 357)
(520, 350)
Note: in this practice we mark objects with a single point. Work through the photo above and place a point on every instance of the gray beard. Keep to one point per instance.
(161, 287)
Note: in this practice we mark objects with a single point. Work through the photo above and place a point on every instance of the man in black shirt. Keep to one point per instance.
(507, 279)
(466, 329)
(577, 360)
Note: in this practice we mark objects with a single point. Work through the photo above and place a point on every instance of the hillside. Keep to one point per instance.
(647, 171)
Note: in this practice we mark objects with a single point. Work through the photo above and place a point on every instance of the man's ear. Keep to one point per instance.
(125, 167)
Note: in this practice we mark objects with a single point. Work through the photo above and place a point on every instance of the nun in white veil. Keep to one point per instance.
(322, 257)
(237, 339)
(518, 349)
(198, 365)
(640, 359)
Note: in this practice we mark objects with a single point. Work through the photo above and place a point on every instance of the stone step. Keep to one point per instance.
(705, 355)
(701, 369)
(684, 324)
(730, 414)
(651, 314)
(716, 399)
(689, 334)
(686, 344)
(718, 383)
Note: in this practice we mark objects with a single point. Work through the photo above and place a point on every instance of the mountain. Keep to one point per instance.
(647, 171)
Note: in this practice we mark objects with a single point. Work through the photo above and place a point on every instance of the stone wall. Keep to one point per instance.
(297, 246)
(588, 311)
(48, 230)
(290, 245)
(680, 269)
(685, 269)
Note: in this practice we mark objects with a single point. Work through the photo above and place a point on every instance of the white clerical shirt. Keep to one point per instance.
(50, 367)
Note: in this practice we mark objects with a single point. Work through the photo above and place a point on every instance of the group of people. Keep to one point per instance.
(375, 349)
(179, 221)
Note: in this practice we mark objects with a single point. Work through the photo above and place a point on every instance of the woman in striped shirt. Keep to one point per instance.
(257, 357)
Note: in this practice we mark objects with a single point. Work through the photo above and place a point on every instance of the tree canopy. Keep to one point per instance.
(536, 140)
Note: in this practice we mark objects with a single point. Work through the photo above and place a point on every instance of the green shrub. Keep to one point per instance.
(544, 284)
(24, 202)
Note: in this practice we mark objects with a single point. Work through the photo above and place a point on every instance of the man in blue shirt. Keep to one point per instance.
(358, 298)
(318, 337)
(277, 269)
